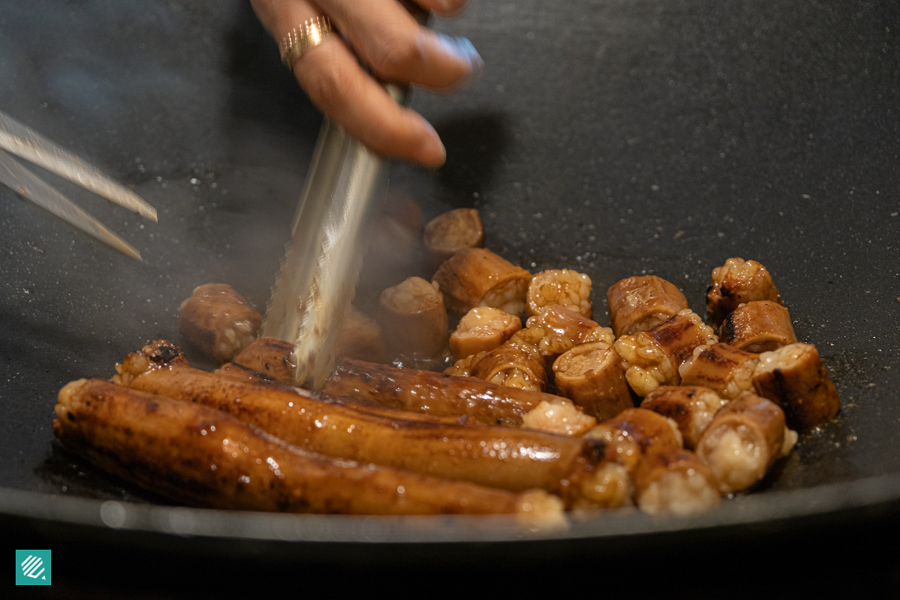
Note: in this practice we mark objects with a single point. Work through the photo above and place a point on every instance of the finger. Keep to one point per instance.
(395, 47)
(336, 83)
(442, 7)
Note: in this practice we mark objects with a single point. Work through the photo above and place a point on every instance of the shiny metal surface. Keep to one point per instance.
(315, 286)
(615, 138)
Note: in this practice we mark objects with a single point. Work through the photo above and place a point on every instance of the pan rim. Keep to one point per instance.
(876, 496)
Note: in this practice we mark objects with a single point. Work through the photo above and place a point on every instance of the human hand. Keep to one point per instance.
(388, 39)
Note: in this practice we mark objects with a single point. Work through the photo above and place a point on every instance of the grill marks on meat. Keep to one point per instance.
(203, 457)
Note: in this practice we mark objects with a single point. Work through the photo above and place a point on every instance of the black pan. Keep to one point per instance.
(616, 138)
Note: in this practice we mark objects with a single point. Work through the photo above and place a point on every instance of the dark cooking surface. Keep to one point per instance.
(616, 138)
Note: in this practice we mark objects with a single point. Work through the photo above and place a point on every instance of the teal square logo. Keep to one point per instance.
(32, 567)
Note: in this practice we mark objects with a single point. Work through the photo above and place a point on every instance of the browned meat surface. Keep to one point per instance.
(738, 282)
(478, 277)
(795, 378)
(218, 322)
(639, 303)
(201, 456)
(450, 232)
(512, 459)
(758, 327)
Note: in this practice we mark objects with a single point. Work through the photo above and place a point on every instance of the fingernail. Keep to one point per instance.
(463, 48)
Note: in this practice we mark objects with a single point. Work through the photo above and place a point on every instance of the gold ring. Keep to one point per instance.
(308, 34)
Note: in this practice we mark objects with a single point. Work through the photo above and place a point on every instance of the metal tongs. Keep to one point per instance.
(314, 289)
(16, 138)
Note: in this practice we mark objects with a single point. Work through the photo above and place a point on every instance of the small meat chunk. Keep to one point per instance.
(450, 232)
(744, 439)
(691, 407)
(640, 303)
(564, 287)
(564, 329)
(725, 369)
(478, 277)
(516, 363)
(738, 282)
(413, 319)
(757, 327)
(674, 481)
(361, 338)
(483, 329)
(651, 358)
(795, 378)
(592, 377)
(648, 429)
(218, 322)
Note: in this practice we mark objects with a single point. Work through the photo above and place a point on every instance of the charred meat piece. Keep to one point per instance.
(218, 322)
(463, 367)
(758, 327)
(592, 377)
(738, 282)
(433, 393)
(725, 369)
(516, 363)
(795, 378)
(691, 407)
(564, 329)
(648, 429)
(513, 459)
(483, 329)
(450, 232)
(651, 358)
(674, 480)
(413, 319)
(201, 456)
(361, 338)
(271, 357)
(564, 287)
(640, 303)
(478, 277)
(743, 440)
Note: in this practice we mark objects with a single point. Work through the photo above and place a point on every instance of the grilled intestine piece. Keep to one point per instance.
(481, 330)
(691, 407)
(674, 480)
(463, 367)
(723, 368)
(362, 338)
(558, 416)
(651, 358)
(564, 287)
(450, 232)
(649, 447)
(737, 282)
(270, 356)
(640, 303)
(592, 377)
(204, 457)
(218, 321)
(758, 327)
(432, 393)
(795, 378)
(478, 277)
(743, 440)
(564, 329)
(413, 319)
(648, 429)
(516, 363)
(508, 458)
